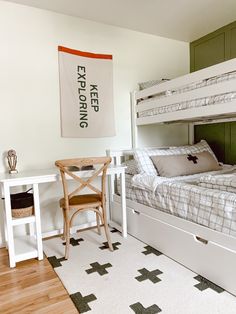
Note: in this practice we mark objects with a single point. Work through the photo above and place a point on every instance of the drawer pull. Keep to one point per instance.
(199, 239)
(136, 212)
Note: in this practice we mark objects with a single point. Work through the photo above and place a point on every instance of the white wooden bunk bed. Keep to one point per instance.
(213, 90)
(206, 251)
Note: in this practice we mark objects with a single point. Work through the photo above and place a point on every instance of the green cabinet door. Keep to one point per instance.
(209, 52)
(215, 135)
(221, 137)
(233, 42)
(213, 48)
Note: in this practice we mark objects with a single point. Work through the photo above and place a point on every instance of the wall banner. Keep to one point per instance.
(86, 90)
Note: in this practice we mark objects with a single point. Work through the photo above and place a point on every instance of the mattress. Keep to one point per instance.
(183, 198)
(213, 100)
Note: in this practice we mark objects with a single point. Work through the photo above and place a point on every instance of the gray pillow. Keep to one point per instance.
(185, 164)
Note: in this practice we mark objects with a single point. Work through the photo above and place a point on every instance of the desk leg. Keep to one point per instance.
(38, 221)
(5, 228)
(3, 232)
(123, 204)
(9, 226)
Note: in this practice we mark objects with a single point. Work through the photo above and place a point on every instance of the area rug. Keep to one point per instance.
(135, 278)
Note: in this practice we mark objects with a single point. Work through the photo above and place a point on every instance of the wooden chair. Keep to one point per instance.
(84, 202)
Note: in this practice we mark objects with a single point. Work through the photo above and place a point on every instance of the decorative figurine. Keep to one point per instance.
(12, 160)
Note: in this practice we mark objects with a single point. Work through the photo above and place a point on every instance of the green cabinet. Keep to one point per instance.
(221, 137)
(213, 48)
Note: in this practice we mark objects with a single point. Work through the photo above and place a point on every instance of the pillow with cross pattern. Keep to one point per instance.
(185, 164)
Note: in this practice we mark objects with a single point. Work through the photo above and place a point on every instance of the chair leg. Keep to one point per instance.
(98, 223)
(107, 232)
(64, 225)
(67, 231)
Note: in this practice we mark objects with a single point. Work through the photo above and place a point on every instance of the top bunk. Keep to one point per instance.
(204, 95)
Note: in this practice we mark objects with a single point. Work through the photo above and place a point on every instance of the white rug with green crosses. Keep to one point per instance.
(134, 278)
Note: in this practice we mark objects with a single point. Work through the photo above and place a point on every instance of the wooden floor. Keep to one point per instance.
(32, 287)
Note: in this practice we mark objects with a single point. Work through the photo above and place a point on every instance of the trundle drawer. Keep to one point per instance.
(206, 258)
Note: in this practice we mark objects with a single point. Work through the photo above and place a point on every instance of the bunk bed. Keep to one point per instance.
(207, 248)
(206, 94)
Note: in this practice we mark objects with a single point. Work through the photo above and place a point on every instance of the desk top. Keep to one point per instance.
(48, 175)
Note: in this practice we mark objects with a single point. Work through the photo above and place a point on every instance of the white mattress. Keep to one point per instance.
(182, 197)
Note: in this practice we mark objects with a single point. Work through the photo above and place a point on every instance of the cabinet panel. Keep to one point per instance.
(233, 42)
(221, 137)
(209, 52)
(215, 135)
(213, 48)
(232, 145)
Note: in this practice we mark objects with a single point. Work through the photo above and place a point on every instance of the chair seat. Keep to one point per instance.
(84, 200)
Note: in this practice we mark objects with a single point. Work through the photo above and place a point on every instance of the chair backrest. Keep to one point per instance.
(70, 167)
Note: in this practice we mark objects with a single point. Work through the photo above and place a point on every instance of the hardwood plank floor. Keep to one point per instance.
(32, 287)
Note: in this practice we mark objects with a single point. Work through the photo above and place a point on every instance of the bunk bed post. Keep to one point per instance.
(134, 129)
(191, 133)
(111, 182)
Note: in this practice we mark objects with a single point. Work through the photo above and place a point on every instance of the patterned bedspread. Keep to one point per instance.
(224, 182)
(208, 207)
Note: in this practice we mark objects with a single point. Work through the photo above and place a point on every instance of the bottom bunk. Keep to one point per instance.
(207, 252)
(182, 201)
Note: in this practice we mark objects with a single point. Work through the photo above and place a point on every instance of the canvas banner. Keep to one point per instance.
(86, 92)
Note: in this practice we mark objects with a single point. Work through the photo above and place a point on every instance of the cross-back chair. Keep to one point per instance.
(83, 202)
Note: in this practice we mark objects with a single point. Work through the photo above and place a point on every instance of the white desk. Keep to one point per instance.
(30, 246)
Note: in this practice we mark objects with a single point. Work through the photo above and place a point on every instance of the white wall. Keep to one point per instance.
(29, 86)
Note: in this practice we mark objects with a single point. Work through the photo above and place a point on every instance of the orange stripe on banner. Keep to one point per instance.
(83, 53)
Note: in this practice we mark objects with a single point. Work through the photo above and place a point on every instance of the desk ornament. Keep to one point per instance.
(12, 161)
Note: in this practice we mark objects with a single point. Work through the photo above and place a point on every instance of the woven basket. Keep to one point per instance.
(22, 212)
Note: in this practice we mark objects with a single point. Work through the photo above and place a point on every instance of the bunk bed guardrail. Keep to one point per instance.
(201, 86)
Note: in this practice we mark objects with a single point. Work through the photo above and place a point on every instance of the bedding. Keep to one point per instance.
(147, 84)
(223, 182)
(182, 197)
(145, 164)
(131, 166)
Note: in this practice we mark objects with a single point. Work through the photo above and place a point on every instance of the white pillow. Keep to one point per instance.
(145, 164)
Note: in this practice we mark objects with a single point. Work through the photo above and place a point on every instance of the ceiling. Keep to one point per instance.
(185, 20)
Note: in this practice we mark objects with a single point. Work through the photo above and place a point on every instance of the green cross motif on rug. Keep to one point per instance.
(81, 302)
(138, 308)
(96, 267)
(151, 250)
(205, 284)
(114, 230)
(56, 262)
(149, 275)
(74, 242)
(106, 246)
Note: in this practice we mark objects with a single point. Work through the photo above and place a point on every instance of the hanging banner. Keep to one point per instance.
(86, 90)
